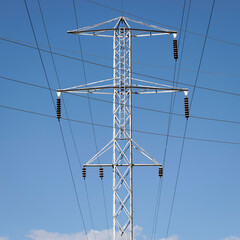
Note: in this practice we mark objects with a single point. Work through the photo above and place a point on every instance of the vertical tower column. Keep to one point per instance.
(122, 89)
(122, 135)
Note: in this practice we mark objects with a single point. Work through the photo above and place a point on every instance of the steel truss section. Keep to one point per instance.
(122, 86)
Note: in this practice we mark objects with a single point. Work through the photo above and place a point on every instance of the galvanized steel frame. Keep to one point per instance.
(122, 142)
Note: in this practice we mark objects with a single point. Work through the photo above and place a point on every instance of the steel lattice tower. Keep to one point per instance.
(122, 86)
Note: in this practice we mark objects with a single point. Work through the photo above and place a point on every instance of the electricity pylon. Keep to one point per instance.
(122, 86)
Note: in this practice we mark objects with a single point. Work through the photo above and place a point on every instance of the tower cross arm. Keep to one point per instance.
(126, 29)
(101, 87)
(90, 89)
(141, 30)
(124, 165)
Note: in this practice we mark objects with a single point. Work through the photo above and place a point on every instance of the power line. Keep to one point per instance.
(110, 67)
(137, 107)
(69, 124)
(110, 127)
(171, 110)
(186, 125)
(122, 7)
(165, 25)
(60, 126)
(91, 115)
(135, 62)
(170, 114)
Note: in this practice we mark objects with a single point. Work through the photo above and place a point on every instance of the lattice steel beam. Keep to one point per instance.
(122, 88)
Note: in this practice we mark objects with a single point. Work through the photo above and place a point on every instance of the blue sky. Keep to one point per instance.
(37, 196)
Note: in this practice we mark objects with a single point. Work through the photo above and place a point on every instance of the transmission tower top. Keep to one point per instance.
(122, 34)
(122, 22)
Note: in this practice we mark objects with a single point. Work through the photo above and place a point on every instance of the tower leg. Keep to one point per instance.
(122, 134)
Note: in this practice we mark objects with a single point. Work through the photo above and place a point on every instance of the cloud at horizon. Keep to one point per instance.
(174, 237)
(42, 234)
(100, 235)
(231, 238)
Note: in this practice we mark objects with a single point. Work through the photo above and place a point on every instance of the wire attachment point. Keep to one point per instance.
(58, 108)
(101, 173)
(175, 49)
(84, 172)
(186, 107)
(160, 172)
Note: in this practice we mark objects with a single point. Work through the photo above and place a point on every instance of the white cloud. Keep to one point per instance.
(100, 235)
(174, 237)
(231, 238)
(44, 235)
(3, 238)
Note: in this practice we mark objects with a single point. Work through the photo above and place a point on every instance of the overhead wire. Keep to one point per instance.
(158, 201)
(91, 115)
(134, 106)
(165, 25)
(186, 125)
(174, 98)
(111, 127)
(60, 126)
(110, 67)
(135, 62)
(170, 111)
(65, 107)
(122, 7)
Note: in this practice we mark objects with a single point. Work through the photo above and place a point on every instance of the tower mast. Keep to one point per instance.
(122, 130)
(123, 86)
